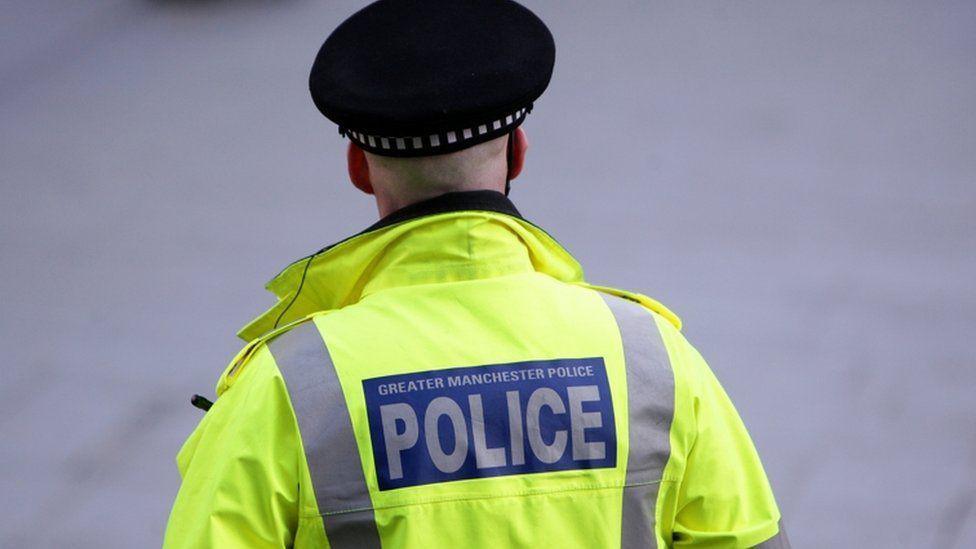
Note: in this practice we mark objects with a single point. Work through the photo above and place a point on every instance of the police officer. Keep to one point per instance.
(447, 377)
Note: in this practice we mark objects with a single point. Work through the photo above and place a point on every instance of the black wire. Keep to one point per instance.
(509, 157)
(298, 291)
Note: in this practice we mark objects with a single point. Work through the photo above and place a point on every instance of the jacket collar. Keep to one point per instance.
(485, 201)
(455, 236)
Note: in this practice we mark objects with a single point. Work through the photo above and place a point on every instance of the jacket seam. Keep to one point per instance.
(525, 493)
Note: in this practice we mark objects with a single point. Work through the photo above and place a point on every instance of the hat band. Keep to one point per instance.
(437, 143)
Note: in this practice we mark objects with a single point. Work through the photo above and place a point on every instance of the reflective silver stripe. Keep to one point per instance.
(779, 541)
(650, 408)
(326, 430)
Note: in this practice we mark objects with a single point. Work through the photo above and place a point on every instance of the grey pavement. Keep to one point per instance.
(797, 180)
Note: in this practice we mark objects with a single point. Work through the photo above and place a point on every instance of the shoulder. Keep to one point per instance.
(254, 383)
(652, 305)
(249, 385)
(688, 366)
(252, 402)
(260, 360)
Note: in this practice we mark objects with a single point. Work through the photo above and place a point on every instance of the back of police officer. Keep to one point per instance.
(447, 378)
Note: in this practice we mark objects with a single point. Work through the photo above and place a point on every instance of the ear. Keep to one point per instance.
(358, 168)
(520, 145)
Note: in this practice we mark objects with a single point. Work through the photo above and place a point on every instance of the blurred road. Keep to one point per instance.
(796, 180)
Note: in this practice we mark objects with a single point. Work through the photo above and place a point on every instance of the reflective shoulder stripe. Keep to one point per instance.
(650, 408)
(779, 541)
(327, 435)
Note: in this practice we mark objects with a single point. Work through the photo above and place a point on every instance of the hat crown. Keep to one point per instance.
(415, 67)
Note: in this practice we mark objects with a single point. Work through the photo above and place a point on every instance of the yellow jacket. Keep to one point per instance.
(447, 379)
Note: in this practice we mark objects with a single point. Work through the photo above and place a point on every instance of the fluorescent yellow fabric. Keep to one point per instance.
(715, 492)
(459, 289)
(240, 468)
(531, 316)
(336, 277)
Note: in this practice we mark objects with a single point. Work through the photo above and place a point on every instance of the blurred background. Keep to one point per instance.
(797, 180)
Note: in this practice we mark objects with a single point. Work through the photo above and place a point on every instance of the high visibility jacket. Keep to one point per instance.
(447, 379)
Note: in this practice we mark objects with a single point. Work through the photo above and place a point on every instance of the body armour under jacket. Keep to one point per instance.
(446, 379)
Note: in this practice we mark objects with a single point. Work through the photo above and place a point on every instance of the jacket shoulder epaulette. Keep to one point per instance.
(641, 299)
(233, 369)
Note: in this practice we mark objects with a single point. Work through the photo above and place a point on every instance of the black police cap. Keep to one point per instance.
(426, 77)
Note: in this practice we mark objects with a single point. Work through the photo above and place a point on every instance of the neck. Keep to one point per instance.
(396, 197)
(489, 201)
(400, 182)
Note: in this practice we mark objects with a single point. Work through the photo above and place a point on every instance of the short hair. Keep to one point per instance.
(447, 171)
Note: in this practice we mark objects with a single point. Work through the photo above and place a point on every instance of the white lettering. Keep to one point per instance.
(396, 442)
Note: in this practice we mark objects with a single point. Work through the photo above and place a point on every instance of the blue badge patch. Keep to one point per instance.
(487, 421)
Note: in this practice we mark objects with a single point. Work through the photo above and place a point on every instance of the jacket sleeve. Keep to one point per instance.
(723, 498)
(241, 467)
